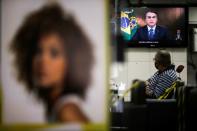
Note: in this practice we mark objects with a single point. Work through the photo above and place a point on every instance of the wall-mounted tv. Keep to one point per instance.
(154, 26)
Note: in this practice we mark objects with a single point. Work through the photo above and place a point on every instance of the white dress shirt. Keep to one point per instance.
(154, 27)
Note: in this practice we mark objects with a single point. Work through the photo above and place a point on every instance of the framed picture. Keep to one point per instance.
(53, 64)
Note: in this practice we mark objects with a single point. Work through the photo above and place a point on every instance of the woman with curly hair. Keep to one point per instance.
(54, 58)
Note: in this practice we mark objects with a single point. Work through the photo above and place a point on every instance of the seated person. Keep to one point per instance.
(151, 31)
(163, 78)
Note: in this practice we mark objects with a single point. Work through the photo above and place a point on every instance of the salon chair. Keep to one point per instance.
(153, 114)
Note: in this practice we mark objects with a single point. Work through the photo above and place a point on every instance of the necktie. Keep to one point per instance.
(151, 34)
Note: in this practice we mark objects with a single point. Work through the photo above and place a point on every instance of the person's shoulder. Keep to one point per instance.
(171, 73)
(159, 27)
(143, 27)
(69, 110)
(156, 73)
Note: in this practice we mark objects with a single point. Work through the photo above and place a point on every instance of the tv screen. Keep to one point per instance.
(154, 26)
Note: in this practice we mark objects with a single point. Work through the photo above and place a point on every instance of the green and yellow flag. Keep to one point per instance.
(133, 25)
(128, 25)
(125, 26)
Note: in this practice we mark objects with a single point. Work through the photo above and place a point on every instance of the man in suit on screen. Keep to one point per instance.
(151, 31)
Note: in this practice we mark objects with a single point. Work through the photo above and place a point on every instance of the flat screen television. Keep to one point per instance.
(154, 26)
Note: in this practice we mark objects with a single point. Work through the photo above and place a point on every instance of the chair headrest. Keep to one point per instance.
(180, 68)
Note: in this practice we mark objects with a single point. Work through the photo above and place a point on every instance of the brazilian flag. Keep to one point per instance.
(125, 26)
(128, 25)
(133, 25)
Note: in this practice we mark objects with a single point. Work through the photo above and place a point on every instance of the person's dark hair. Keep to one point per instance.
(163, 57)
(78, 49)
(152, 11)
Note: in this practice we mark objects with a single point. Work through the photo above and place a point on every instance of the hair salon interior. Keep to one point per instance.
(153, 80)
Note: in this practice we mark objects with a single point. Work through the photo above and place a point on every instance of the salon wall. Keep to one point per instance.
(192, 56)
(139, 65)
(21, 107)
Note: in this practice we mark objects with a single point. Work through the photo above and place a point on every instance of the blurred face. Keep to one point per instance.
(156, 62)
(151, 19)
(49, 63)
(156, 65)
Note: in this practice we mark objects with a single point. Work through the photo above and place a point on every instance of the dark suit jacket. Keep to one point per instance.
(161, 33)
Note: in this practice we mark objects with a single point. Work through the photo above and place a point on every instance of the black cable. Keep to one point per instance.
(192, 62)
